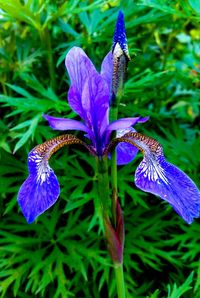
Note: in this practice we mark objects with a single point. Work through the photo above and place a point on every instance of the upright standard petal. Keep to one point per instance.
(79, 68)
(157, 176)
(95, 100)
(107, 69)
(41, 189)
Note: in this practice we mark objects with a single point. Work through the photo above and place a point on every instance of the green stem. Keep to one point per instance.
(103, 184)
(119, 275)
(114, 113)
(104, 197)
(113, 117)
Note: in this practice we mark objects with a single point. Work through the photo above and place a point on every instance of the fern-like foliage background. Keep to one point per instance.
(64, 254)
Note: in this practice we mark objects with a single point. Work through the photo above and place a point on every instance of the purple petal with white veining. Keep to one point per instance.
(125, 152)
(79, 68)
(40, 190)
(157, 176)
(107, 69)
(124, 123)
(65, 124)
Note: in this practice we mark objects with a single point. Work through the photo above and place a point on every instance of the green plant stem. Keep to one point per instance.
(104, 197)
(103, 184)
(113, 117)
(119, 276)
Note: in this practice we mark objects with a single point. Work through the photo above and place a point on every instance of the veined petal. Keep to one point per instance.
(41, 189)
(124, 123)
(95, 101)
(107, 69)
(79, 68)
(65, 124)
(125, 152)
(157, 176)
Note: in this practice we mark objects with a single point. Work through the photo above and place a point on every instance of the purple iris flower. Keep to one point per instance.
(89, 97)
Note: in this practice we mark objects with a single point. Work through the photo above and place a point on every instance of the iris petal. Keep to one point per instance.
(65, 123)
(125, 152)
(124, 123)
(41, 189)
(157, 176)
(79, 68)
(95, 99)
(107, 69)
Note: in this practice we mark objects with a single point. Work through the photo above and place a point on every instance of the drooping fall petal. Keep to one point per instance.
(157, 176)
(41, 189)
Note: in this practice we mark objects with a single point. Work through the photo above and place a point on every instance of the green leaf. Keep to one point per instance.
(29, 133)
(177, 292)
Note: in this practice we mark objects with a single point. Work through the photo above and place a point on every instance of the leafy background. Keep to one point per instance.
(63, 254)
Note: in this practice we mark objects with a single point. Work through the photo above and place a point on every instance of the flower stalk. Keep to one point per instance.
(103, 185)
(114, 234)
(119, 276)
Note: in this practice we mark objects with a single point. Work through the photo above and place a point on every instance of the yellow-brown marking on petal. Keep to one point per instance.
(138, 140)
(152, 144)
(51, 146)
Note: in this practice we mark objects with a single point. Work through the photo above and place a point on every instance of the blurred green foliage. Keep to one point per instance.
(63, 254)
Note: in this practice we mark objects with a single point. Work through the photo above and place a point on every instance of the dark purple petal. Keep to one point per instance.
(107, 69)
(157, 176)
(65, 124)
(125, 152)
(124, 123)
(79, 68)
(40, 190)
